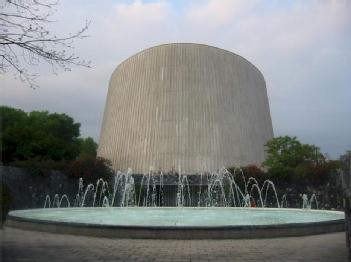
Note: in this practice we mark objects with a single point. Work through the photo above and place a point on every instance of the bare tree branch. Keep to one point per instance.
(26, 42)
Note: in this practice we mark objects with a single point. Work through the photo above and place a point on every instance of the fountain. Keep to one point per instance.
(307, 203)
(216, 205)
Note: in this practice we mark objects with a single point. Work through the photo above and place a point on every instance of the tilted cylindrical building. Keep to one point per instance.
(187, 106)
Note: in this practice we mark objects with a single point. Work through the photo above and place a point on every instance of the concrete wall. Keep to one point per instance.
(29, 191)
(185, 105)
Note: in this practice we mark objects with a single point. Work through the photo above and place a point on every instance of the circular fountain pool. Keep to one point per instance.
(179, 223)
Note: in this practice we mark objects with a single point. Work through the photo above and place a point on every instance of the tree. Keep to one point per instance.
(26, 41)
(317, 174)
(290, 152)
(286, 157)
(87, 146)
(12, 122)
(38, 136)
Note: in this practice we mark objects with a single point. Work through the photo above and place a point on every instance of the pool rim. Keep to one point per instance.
(179, 232)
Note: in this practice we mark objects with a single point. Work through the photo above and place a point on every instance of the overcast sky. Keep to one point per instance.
(303, 49)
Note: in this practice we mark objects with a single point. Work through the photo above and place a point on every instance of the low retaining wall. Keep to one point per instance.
(29, 191)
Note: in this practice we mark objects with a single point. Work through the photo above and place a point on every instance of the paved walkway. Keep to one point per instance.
(19, 245)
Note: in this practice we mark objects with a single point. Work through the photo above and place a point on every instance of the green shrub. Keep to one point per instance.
(90, 168)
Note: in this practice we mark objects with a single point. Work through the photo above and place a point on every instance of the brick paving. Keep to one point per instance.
(20, 245)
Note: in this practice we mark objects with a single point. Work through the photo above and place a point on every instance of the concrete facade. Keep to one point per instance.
(187, 106)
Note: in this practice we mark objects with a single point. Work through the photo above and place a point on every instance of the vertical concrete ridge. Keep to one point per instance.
(191, 106)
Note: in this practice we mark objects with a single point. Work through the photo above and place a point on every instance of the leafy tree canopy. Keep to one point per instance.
(291, 161)
(289, 152)
(38, 135)
(88, 147)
